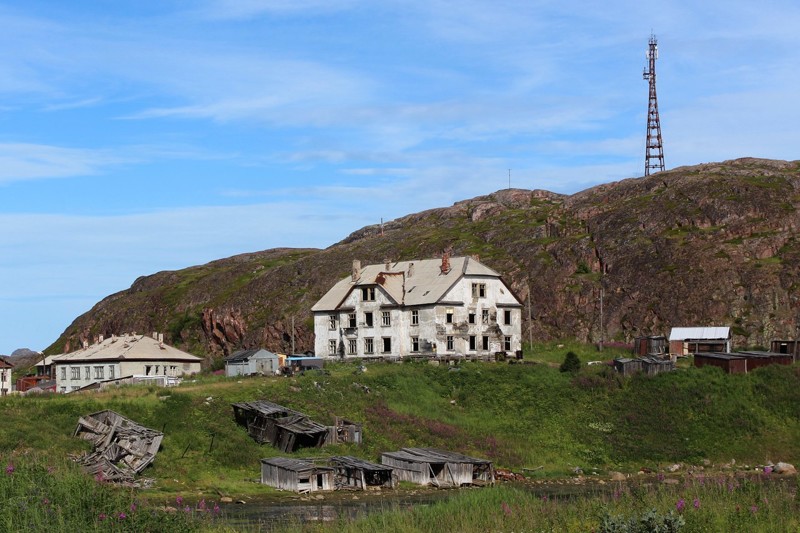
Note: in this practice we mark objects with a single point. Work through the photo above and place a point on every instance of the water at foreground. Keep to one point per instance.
(270, 515)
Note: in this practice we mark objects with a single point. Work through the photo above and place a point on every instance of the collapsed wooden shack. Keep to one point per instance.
(344, 431)
(429, 466)
(121, 448)
(280, 426)
(351, 472)
(296, 475)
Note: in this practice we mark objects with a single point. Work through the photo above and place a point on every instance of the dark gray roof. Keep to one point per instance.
(266, 408)
(295, 465)
(360, 464)
(244, 355)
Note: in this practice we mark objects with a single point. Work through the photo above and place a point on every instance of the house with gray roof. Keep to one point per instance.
(430, 307)
(249, 362)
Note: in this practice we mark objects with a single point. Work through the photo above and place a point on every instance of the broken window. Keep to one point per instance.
(414, 344)
(449, 315)
(98, 372)
(507, 316)
(368, 294)
(485, 316)
(351, 319)
(332, 322)
(368, 319)
(332, 346)
(485, 342)
(63, 373)
(387, 345)
(479, 290)
(415, 318)
(111, 371)
(87, 373)
(369, 345)
(472, 343)
(450, 343)
(472, 318)
(76, 372)
(507, 343)
(386, 318)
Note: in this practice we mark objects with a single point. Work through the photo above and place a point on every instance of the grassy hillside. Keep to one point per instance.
(712, 244)
(517, 415)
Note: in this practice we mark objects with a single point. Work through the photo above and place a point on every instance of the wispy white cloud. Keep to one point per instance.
(22, 162)
(245, 9)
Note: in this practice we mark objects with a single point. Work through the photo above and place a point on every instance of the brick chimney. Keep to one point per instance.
(387, 265)
(445, 262)
(410, 269)
(356, 270)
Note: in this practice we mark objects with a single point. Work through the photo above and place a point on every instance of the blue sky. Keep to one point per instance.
(145, 136)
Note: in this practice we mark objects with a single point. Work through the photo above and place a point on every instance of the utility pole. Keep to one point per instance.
(654, 150)
(509, 179)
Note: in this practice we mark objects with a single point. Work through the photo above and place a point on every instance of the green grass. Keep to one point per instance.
(518, 415)
(721, 503)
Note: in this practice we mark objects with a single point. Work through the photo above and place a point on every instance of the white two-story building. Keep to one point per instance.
(444, 306)
(120, 357)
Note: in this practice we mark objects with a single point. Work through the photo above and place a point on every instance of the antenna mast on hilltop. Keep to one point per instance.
(654, 151)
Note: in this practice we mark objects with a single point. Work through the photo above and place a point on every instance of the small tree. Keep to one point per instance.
(571, 363)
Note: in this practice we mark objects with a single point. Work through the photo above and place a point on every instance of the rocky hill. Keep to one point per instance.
(713, 244)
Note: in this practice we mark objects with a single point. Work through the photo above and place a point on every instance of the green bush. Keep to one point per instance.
(571, 363)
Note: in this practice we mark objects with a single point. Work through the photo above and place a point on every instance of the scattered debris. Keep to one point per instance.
(121, 448)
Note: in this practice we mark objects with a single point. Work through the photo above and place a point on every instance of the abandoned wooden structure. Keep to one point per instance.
(121, 448)
(296, 475)
(627, 366)
(284, 428)
(650, 365)
(344, 431)
(786, 346)
(441, 468)
(741, 362)
(653, 345)
(354, 473)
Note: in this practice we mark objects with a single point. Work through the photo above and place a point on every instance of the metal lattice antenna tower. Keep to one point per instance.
(654, 151)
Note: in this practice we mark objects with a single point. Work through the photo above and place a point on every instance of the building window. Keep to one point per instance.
(449, 315)
(368, 294)
(332, 346)
(484, 316)
(507, 316)
(352, 346)
(332, 322)
(351, 319)
(110, 371)
(369, 345)
(507, 343)
(76, 372)
(485, 342)
(98, 372)
(387, 345)
(472, 343)
(479, 290)
(386, 318)
(87, 373)
(450, 343)
(63, 373)
(368, 319)
(415, 318)
(414, 344)
(472, 318)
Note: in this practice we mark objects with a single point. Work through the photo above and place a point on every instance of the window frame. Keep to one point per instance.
(386, 318)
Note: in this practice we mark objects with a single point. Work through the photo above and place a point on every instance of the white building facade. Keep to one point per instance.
(121, 357)
(429, 307)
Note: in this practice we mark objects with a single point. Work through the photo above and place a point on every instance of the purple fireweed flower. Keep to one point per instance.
(754, 509)
(179, 500)
(767, 470)
(660, 476)
(202, 505)
(47, 502)
(216, 509)
(545, 498)
(99, 477)
(697, 503)
(187, 509)
(680, 504)
(506, 508)
(122, 516)
(10, 468)
(102, 516)
(133, 507)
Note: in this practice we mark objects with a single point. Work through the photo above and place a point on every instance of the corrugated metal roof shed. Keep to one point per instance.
(700, 333)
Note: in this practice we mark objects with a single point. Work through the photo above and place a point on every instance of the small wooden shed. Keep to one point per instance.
(249, 362)
(786, 346)
(351, 472)
(284, 428)
(627, 366)
(730, 363)
(652, 345)
(296, 475)
(344, 430)
(429, 466)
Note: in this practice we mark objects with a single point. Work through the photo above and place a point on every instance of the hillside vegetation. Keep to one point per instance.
(713, 244)
(518, 415)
